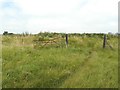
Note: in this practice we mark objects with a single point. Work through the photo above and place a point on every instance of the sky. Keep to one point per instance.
(66, 16)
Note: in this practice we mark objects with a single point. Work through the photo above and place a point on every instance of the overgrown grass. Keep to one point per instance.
(84, 64)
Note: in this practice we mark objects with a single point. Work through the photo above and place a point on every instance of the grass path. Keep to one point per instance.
(92, 74)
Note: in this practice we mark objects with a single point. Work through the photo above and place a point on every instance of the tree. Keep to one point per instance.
(5, 33)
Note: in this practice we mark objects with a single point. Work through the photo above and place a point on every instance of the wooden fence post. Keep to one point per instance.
(104, 41)
(66, 40)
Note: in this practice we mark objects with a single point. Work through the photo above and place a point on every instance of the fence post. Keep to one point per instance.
(66, 40)
(104, 41)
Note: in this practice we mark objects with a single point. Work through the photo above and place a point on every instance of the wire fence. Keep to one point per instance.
(59, 41)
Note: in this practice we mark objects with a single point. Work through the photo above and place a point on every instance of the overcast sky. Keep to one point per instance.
(75, 16)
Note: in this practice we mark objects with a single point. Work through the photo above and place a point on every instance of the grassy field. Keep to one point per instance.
(83, 64)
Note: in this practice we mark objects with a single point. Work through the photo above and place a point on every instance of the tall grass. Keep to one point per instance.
(84, 64)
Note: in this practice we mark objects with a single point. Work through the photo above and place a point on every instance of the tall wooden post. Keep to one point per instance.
(66, 40)
(104, 41)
